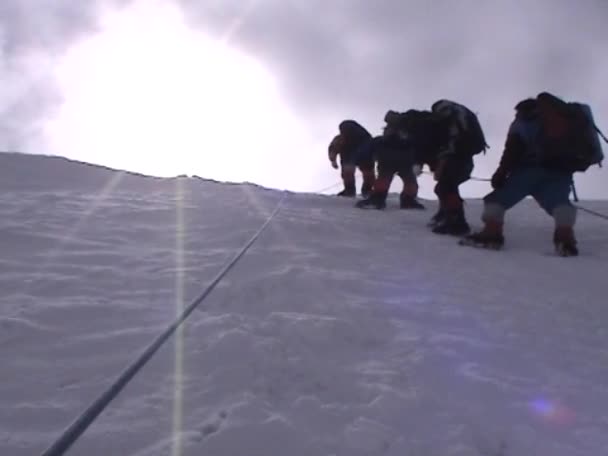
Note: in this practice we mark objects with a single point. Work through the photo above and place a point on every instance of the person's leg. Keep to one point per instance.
(348, 177)
(386, 172)
(366, 164)
(369, 178)
(455, 172)
(554, 197)
(408, 197)
(520, 184)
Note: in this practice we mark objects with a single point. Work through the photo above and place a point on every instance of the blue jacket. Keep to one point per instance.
(522, 147)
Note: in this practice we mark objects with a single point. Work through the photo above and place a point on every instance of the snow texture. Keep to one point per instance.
(341, 332)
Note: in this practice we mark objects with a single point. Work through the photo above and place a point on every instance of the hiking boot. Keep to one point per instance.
(566, 249)
(374, 201)
(453, 224)
(437, 218)
(564, 242)
(452, 227)
(484, 239)
(348, 191)
(366, 189)
(409, 202)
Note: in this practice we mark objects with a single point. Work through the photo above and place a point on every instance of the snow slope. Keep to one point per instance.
(341, 332)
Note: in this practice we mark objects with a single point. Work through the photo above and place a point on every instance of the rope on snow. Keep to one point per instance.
(79, 426)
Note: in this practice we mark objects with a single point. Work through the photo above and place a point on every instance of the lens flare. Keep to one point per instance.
(552, 411)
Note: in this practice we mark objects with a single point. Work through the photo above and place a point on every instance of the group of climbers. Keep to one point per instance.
(548, 141)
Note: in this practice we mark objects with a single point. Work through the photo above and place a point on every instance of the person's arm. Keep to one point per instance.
(334, 150)
(515, 147)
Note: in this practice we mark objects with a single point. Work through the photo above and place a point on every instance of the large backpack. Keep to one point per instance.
(472, 138)
(354, 133)
(425, 132)
(569, 137)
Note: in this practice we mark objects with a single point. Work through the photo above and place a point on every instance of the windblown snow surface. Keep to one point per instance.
(341, 331)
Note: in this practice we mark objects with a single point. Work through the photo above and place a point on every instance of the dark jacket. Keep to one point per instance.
(522, 146)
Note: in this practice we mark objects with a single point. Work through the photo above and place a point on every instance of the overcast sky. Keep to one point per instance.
(336, 59)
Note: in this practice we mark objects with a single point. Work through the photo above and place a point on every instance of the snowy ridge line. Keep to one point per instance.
(80, 425)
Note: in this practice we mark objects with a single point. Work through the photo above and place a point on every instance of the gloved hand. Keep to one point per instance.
(334, 165)
(499, 178)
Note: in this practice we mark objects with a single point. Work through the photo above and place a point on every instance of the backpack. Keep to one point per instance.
(426, 131)
(353, 132)
(472, 137)
(393, 128)
(569, 138)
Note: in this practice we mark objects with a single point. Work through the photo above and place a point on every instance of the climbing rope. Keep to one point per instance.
(77, 428)
(592, 212)
(584, 209)
(323, 190)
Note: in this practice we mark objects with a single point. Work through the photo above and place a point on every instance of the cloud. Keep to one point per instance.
(32, 36)
(354, 52)
(350, 58)
(356, 58)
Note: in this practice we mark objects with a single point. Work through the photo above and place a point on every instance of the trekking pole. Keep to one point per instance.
(574, 195)
(601, 134)
(481, 179)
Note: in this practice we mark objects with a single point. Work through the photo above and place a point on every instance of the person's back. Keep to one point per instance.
(522, 147)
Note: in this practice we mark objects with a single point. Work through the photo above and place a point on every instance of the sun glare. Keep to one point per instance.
(149, 94)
